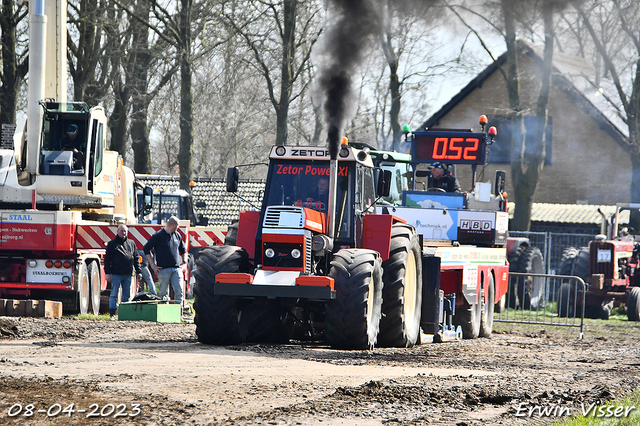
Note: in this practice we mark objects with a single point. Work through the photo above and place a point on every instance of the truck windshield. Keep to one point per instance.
(306, 184)
(164, 206)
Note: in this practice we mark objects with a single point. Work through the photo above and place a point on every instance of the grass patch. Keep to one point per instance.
(622, 405)
(101, 317)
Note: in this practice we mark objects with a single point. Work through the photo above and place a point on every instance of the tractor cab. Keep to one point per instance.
(293, 226)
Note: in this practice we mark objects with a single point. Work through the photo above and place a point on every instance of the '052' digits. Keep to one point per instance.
(94, 410)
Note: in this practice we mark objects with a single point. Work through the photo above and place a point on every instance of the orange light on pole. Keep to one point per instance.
(483, 120)
(344, 141)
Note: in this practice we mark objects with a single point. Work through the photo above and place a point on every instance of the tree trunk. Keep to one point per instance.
(139, 84)
(12, 73)
(118, 122)
(185, 156)
(286, 80)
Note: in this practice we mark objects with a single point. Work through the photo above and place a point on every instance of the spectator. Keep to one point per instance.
(170, 255)
(441, 178)
(120, 260)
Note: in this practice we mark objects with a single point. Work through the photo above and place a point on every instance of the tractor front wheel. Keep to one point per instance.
(217, 317)
(353, 317)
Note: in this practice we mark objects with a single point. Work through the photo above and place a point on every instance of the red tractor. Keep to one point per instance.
(609, 268)
(332, 265)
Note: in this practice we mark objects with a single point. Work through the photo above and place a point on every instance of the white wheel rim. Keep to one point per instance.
(410, 291)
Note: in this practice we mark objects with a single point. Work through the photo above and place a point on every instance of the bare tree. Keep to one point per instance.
(620, 52)
(285, 44)
(89, 50)
(13, 58)
(528, 147)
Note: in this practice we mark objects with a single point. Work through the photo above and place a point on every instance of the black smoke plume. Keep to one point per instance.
(351, 31)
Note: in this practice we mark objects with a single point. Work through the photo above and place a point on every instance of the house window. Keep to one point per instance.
(500, 151)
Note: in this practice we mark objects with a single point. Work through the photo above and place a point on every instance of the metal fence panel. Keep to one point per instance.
(553, 244)
(556, 300)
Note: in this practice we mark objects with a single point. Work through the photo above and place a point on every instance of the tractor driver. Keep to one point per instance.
(441, 178)
(72, 142)
(320, 194)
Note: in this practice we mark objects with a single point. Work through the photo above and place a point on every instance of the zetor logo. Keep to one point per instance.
(20, 217)
(309, 152)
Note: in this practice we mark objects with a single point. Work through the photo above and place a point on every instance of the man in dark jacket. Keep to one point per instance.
(171, 254)
(441, 178)
(120, 260)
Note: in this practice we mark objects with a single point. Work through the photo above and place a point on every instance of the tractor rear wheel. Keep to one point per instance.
(486, 320)
(217, 318)
(531, 288)
(633, 305)
(353, 317)
(401, 290)
(469, 319)
(231, 239)
(566, 301)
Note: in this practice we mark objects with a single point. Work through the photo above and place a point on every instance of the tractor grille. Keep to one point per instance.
(283, 257)
(284, 217)
(308, 260)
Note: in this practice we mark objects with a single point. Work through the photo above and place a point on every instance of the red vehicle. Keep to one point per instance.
(349, 271)
(609, 267)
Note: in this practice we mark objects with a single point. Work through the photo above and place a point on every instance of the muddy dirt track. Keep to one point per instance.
(80, 372)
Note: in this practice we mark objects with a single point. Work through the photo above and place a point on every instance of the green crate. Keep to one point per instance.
(149, 311)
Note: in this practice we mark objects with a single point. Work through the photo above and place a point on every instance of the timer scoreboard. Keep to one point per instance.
(449, 147)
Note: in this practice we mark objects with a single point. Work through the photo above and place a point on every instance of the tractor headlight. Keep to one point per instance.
(269, 253)
(295, 253)
(33, 263)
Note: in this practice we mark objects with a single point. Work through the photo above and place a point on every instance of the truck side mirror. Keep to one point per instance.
(147, 200)
(499, 182)
(383, 186)
(232, 179)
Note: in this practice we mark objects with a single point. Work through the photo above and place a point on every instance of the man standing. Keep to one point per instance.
(170, 255)
(120, 260)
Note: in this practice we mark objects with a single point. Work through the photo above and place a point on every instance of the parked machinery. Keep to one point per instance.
(309, 267)
(62, 193)
(609, 267)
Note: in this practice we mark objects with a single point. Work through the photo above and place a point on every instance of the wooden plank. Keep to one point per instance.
(52, 309)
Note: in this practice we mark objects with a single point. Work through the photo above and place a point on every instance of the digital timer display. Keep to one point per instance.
(449, 147)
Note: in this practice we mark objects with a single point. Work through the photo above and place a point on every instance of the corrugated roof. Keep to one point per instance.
(570, 213)
(221, 206)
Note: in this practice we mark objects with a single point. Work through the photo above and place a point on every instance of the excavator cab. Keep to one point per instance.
(64, 139)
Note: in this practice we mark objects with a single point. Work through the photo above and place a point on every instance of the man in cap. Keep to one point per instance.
(442, 178)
